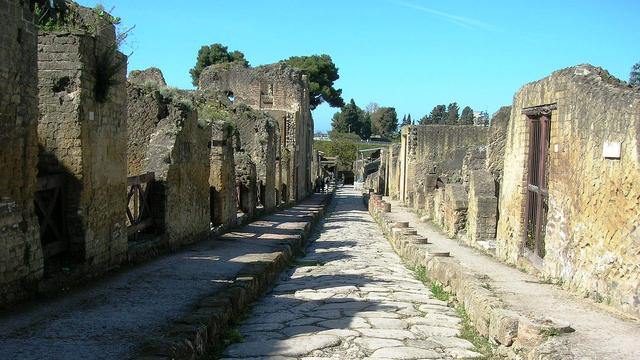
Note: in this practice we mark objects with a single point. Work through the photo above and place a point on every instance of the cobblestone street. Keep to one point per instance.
(350, 297)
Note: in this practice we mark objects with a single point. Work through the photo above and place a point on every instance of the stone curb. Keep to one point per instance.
(516, 335)
(191, 336)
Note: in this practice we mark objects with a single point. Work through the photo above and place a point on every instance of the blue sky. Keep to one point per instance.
(409, 54)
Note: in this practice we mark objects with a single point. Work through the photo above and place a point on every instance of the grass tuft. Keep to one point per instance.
(469, 333)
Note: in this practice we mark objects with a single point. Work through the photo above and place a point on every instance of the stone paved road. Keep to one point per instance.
(350, 298)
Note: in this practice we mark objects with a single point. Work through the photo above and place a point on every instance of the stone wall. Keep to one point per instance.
(483, 207)
(283, 93)
(455, 209)
(21, 258)
(257, 135)
(245, 171)
(592, 238)
(393, 166)
(82, 134)
(222, 175)
(428, 150)
(497, 141)
(165, 138)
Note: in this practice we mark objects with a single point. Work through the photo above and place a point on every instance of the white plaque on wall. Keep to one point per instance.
(611, 150)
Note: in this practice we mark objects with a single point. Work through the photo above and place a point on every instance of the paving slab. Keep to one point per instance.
(353, 262)
(112, 317)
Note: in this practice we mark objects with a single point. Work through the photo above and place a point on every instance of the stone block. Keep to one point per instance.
(455, 208)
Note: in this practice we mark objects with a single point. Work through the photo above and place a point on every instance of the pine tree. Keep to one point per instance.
(467, 116)
(634, 76)
(452, 114)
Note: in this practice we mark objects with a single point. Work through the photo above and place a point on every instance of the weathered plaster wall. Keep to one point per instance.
(20, 251)
(497, 140)
(434, 149)
(165, 138)
(592, 235)
(483, 207)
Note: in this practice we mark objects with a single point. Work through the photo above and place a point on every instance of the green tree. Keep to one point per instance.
(406, 120)
(215, 54)
(365, 126)
(322, 73)
(634, 76)
(384, 121)
(351, 119)
(344, 146)
(438, 116)
(467, 116)
(452, 114)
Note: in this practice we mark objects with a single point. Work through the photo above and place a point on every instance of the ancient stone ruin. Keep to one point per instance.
(102, 170)
(550, 185)
(281, 92)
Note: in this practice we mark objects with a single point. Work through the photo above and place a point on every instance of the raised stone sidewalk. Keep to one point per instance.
(172, 307)
(350, 297)
(526, 317)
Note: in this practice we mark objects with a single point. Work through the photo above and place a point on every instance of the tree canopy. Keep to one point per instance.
(438, 116)
(215, 54)
(384, 121)
(352, 119)
(467, 116)
(322, 74)
(634, 76)
(452, 114)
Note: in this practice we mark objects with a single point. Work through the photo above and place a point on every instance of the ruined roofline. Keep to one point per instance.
(214, 77)
(585, 72)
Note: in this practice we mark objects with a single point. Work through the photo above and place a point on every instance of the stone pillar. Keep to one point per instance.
(483, 206)
(222, 176)
(20, 250)
(83, 136)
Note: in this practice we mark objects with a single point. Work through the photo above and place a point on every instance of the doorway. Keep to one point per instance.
(537, 201)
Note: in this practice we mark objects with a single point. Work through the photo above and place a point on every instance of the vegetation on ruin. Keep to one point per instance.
(322, 73)
(467, 330)
(469, 333)
(634, 76)
(66, 16)
(108, 65)
(215, 54)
